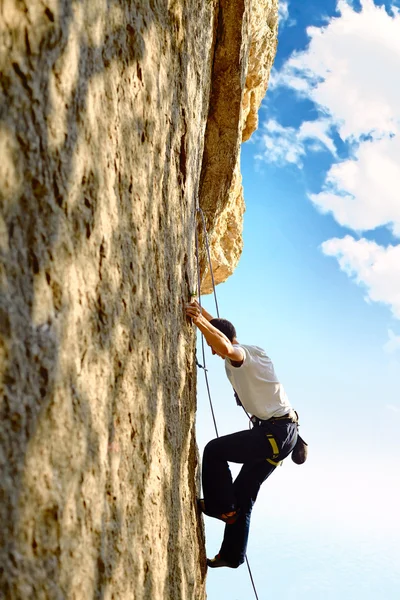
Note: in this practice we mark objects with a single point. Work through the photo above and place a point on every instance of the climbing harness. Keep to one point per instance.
(204, 366)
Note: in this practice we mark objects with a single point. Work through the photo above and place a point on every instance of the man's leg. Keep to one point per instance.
(246, 485)
(243, 447)
(246, 488)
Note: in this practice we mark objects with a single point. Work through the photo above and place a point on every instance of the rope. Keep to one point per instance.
(209, 260)
(204, 366)
(251, 577)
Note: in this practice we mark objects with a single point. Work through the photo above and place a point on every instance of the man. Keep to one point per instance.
(259, 449)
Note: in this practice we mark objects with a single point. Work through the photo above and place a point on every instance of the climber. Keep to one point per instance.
(260, 449)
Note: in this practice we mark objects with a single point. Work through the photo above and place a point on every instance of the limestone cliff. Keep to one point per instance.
(111, 125)
(236, 96)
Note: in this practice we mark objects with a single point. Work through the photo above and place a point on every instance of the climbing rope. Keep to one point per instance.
(203, 352)
(204, 366)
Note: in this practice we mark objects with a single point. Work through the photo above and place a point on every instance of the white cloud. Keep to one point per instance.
(392, 345)
(283, 12)
(280, 144)
(373, 266)
(318, 130)
(363, 193)
(349, 70)
(287, 144)
(284, 18)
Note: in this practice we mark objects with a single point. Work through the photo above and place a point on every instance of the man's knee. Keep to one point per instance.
(211, 449)
(245, 502)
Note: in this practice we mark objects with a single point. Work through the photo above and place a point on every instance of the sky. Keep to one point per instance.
(318, 286)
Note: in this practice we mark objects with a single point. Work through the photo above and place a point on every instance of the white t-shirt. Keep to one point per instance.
(257, 385)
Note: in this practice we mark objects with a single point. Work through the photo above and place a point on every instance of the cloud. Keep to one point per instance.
(372, 266)
(283, 13)
(349, 70)
(362, 193)
(288, 145)
(392, 345)
(284, 18)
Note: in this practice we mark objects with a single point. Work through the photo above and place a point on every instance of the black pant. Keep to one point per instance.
(254, 449)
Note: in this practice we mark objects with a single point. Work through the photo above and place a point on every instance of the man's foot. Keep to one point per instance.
(218, 561)
(228, 518)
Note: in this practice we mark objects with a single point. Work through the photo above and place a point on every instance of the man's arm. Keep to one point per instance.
(214, 337)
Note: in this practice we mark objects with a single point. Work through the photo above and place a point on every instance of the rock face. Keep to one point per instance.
(112, 124)
(233, 119)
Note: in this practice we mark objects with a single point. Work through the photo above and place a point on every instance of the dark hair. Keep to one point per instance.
(225, 326)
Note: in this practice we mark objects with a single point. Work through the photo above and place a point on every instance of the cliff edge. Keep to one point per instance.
(115, 117)
(245, 51)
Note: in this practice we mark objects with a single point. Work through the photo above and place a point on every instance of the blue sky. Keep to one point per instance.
(318, 286)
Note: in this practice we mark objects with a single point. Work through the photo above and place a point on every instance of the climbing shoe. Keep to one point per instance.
(218, 561)
(228, 518)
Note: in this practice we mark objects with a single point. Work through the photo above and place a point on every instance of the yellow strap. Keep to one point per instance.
(276, 464)
(273, 443)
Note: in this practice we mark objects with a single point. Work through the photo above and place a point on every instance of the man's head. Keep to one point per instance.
(226, 327)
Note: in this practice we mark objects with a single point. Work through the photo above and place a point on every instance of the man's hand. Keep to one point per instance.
(217, 340)
(197, 310)
(193, 311)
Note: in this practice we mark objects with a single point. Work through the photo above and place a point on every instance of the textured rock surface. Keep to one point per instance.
(103, 112)
(223, 203)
